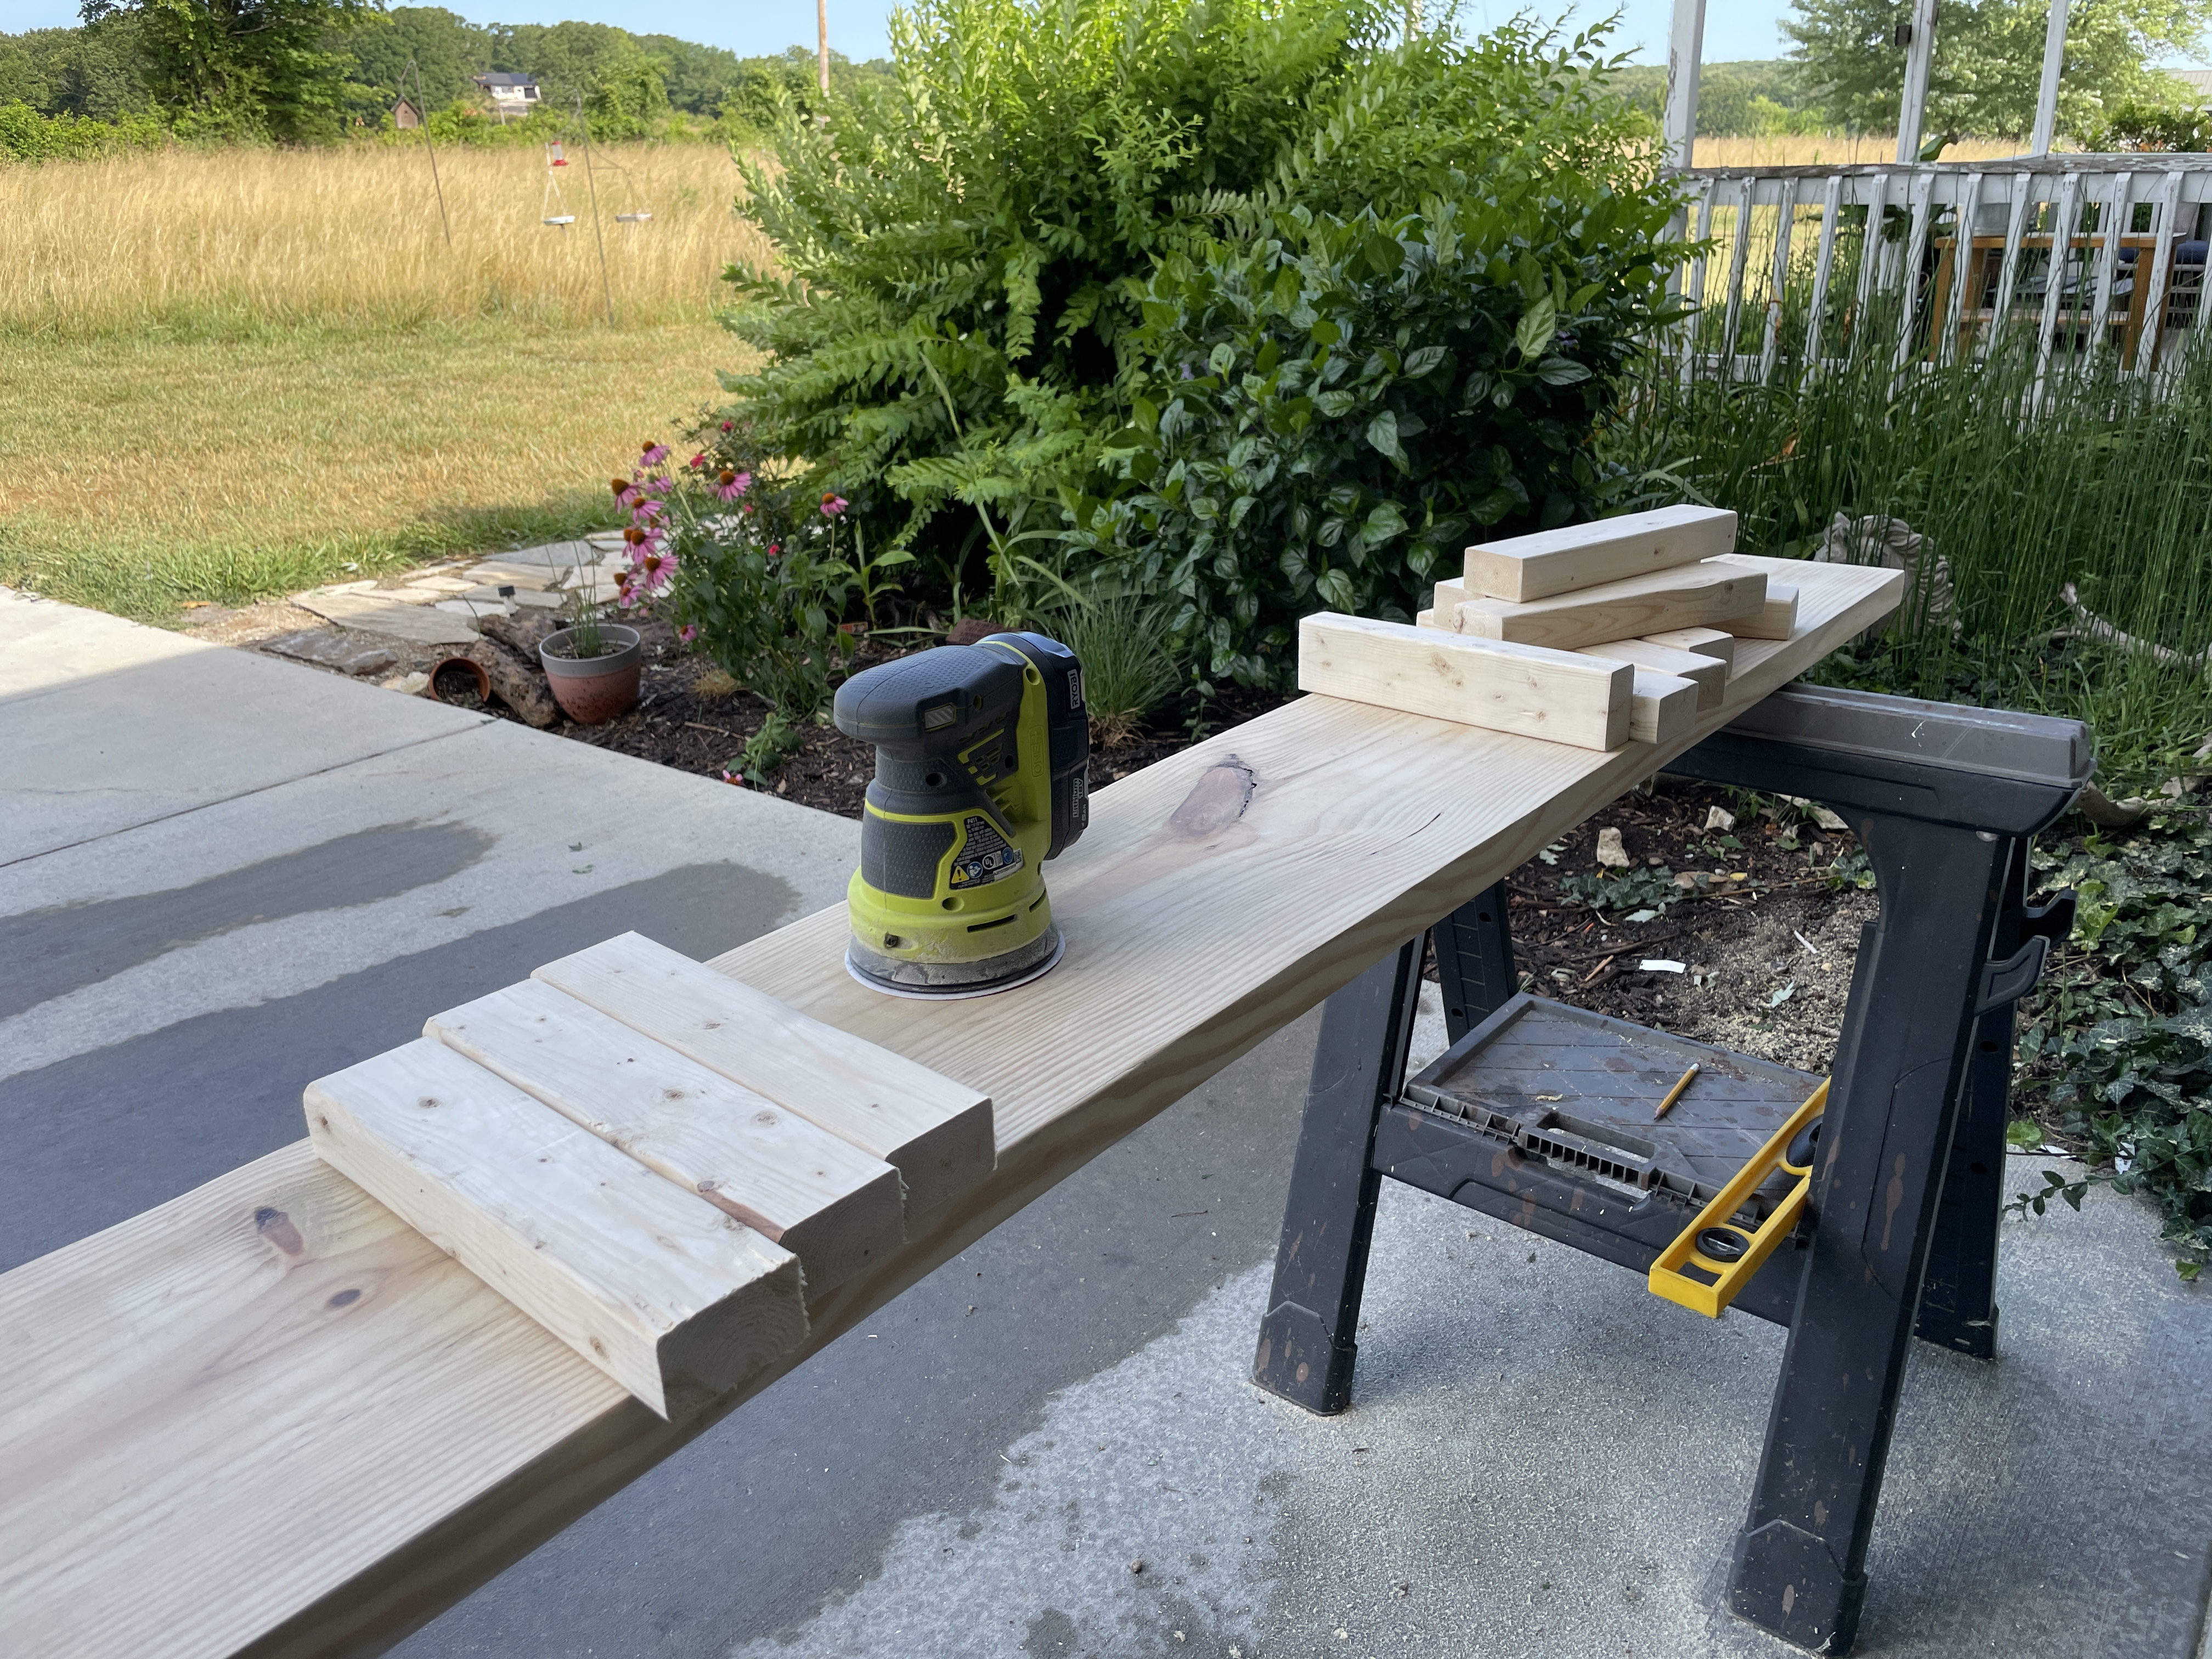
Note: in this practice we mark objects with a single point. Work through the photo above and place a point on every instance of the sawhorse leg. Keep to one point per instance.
(1306, 1341)
(1958, 1296)
(1474, 960)
(1800, 1560)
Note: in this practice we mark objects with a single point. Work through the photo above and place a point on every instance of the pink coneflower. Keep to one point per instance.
(832, 504)
(653, 568)
(729, 485)
(626, 493)
(737, 778)
(653, 455)
(688, 633)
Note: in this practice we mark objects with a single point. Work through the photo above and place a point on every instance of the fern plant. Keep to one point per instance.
(962, 250)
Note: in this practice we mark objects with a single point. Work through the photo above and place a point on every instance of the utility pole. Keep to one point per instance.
(821, 31)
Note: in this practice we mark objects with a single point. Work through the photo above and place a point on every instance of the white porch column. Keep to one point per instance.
(1920, 57)
(1686, 48)
(2046, 97)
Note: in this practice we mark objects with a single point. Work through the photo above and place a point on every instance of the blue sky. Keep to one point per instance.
(1733, 28)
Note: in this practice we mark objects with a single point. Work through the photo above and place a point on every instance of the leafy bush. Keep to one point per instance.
(1325, 417)
(963, 252)
(27, 136)
(2119, 1041)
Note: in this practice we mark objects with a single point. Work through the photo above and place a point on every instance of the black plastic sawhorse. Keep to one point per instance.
(1901, 1239)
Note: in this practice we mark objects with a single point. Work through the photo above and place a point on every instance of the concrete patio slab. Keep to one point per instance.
(107, 724)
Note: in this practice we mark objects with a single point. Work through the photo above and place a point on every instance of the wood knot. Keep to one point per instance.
(1216, 800)
(276, 1227)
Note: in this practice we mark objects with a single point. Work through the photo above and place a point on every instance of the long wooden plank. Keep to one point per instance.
(1776, 618)
(1575, 556)
(437, 1435)
(672, 1298)
(1712, 594)
(936, 1132)
(832, 1205)
(1552, 694)
(1709, 673)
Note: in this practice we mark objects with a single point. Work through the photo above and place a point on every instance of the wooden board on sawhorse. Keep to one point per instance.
(155, 1461)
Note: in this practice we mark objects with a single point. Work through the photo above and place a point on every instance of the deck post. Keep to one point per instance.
(1686, 49)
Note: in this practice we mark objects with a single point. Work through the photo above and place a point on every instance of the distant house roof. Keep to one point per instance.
(2198, 80)
(503, 79)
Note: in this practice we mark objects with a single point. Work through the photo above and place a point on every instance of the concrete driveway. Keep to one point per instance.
(222, 875)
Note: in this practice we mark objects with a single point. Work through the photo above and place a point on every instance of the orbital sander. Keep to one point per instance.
(982, 773)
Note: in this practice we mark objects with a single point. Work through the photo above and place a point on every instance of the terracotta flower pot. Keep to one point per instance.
(593, 689)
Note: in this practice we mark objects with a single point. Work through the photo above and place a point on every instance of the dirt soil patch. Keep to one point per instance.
(1766, 942)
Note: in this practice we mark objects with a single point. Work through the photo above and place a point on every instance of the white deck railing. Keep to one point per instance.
(1813, 266)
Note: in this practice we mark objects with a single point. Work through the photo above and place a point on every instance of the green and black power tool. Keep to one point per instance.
(982, 773)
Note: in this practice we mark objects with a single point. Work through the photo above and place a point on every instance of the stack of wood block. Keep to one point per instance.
(1596, 635)
(656, 1163)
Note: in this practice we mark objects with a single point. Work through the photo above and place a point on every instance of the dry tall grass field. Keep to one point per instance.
(229, 375)
(280, 237)
(1833, 149)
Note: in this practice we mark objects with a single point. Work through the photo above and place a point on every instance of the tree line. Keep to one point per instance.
(307, 72)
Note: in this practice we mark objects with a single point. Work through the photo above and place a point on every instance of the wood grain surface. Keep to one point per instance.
(202, 1454)
(835, 1208)
(1662, 706)
(675, 1300)
(936, 1132)
(1700, 641)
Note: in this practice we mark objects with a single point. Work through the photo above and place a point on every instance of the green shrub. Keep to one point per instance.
(963, 250)
(27, 136)
(1326, 418)
(2118, 1041)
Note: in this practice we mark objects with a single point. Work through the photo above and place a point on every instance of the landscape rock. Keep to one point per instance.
(374, 614)
(1610, 853)
(327, 648)
(516, 680)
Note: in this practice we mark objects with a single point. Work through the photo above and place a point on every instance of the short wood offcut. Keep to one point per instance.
(1709, 595)
(1552, 694)
(936, 1132)
(1574, 557)
(672, 1298)
(831, 1204)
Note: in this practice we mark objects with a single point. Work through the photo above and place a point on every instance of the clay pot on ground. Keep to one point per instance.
(593, 689)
